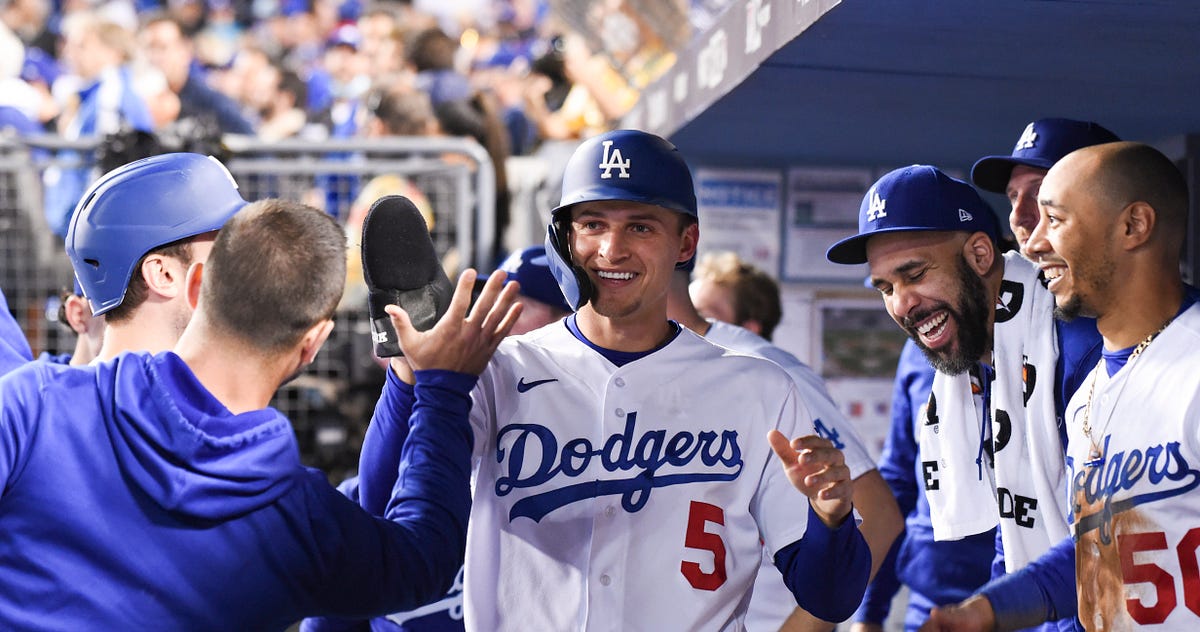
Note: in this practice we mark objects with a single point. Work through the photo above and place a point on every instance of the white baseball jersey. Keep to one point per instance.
(1136, 517)
(626, 498)
(830, 422)
(772, 602)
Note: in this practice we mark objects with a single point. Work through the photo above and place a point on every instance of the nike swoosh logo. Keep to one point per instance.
(523, 386)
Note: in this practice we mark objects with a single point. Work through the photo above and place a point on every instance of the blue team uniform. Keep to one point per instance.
(132, 499)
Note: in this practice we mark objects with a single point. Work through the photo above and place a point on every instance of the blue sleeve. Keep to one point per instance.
(381, 445)
(19, 402)
(1042, 591)
(374, 566)
(827, 569)
(877, 601)
(14, 348)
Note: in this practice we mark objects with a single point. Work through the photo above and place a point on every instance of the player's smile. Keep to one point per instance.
(935, 330)
(613, 277)
(1054, 273)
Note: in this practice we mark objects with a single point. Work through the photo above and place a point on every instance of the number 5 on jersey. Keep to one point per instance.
(698, 538)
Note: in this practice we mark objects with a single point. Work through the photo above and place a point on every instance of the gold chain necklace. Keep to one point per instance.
(1095, 457)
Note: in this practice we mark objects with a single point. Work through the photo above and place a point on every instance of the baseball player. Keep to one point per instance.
(159, 492)
(770, 606)
(730, 290)
(1113, 220)
(133, 236)
(1039, 587)
(14, 348)
(931, 243)
(623, 480)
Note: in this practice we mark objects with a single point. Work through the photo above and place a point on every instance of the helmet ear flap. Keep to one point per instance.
(576, 287)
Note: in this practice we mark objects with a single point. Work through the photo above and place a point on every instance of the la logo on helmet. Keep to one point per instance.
(612, 159)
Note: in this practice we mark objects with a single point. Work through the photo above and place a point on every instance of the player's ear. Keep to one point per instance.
(690, 239)
(313, 340)
(979, 252)
(192, 280)
(78, 313)
(1137, 221)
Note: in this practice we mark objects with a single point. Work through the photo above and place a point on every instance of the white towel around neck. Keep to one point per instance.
(966, 496)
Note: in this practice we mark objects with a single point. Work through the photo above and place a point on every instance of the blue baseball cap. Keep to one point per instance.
(915, 198)
(1043, 143)
(531, 269)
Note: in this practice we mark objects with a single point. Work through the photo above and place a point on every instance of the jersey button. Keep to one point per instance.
(605, 580)
(619, 382)
(610, 511)
(620, 412)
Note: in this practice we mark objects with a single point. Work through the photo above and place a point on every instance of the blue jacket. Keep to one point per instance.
(132, 499)
(14, 348)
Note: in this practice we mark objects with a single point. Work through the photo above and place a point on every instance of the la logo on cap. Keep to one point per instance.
(875, 210)
(1028, 138)
(613, 159)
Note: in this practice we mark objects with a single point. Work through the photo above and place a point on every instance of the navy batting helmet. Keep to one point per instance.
(136, 208)
(626, 165)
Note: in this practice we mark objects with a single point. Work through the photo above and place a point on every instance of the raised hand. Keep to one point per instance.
(819, 471)
(460, 341)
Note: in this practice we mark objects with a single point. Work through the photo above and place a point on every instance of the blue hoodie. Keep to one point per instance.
(132, 499)
(14, 348)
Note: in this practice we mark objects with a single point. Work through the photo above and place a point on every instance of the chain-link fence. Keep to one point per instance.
(450, 179)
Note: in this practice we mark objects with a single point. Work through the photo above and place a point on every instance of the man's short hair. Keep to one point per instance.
(755, 293)
(276, 269)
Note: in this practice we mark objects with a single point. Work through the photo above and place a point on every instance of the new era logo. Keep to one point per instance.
(875, 210)
(1028, 138)
(613, 159)
(964, 216)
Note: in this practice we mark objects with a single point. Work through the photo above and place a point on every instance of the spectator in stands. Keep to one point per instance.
(431, 54)
(96, 99)
(279, 100)
(382, 42)
(19, 102)
(171, 51)
(734, 291)
(348, 83)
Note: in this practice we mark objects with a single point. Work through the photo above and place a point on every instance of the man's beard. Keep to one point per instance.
(1070, 310)
(971, 318)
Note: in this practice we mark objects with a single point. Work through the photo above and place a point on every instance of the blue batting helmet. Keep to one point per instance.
(626, 165)
(141, 206)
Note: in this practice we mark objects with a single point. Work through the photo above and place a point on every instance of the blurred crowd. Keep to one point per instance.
(510, 73)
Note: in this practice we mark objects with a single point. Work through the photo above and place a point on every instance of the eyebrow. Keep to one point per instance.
(1048, 202)
(635, 217)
